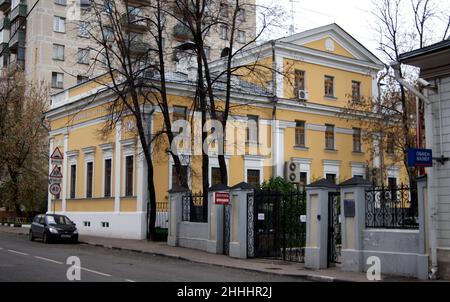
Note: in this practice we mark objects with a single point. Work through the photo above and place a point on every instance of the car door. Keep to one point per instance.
(41, 226)
(35, 225)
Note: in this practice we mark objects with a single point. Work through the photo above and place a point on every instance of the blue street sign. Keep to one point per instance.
(420, 157)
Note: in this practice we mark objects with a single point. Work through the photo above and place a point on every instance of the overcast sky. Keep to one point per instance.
(354, 16)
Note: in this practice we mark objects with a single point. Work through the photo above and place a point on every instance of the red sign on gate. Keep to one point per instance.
(222, 197)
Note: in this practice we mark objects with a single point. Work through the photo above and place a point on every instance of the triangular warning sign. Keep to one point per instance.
(56, 154)
(56, 173)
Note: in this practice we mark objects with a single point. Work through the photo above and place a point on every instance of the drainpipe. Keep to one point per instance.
(431, 194)
(274, 111)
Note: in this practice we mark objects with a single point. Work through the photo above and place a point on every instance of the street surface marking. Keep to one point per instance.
(16, 252)
(95, 272)
(1, 248)
(48, 260)
(129, 280)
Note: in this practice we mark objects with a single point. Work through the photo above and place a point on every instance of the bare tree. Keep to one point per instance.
(23, 156)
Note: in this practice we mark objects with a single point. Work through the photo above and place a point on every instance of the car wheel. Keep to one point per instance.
(31, 236)
(45, 238)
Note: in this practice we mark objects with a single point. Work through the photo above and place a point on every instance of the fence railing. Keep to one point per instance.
(193, 208)
(162, 215)
(391, 208)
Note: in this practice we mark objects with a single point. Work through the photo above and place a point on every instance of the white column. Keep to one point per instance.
(142, 180)
(64, 179)
(279, 76)
(50, 150)
(117, 165)
(278, 148)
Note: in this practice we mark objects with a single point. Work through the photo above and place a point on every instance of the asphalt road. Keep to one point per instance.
(23, 260)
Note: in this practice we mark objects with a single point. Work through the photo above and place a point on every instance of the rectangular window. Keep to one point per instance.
(356, 91)
(207, 52)
(252, 129)
(179, 114)
(57, 80)
(329, 86)
(83, 29)
(129, 170)
(223, 10)
(89, 179)
(241, 36)
(179, 180)
(61, 2)
(58, 52)
(82, 79)
(329, 137)
(59, 24)
(108, 177)
(73, 181)
(300, 133)
(356, 139)
(215, 176)
(303, 179)
(108, 34)
(331, 178)
(83, 56)
(224, 32)
(299, 82)
(253, 178)
(390, 144)
(241, 16)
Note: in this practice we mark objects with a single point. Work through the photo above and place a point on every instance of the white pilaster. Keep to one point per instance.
(64, 180)
(142, 180)
(278, 147)
(117, 165)
(279, 76)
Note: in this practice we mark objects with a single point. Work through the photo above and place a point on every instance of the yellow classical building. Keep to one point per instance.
(103, 188)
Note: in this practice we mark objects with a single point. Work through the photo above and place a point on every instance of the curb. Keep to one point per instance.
(308, 277)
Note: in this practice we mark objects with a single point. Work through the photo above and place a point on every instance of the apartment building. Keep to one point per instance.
(50, 41)
(104, 191)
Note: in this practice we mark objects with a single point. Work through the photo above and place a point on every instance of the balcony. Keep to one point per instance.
(17, 40)
(5, 24)
(5, 5)
(181, 32)
(134, 22)
(19, 11)
(139, 48)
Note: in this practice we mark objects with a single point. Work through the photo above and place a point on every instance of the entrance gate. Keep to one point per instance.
(334, 229)
(277, 225)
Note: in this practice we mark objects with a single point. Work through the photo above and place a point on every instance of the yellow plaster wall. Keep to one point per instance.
(338, 49)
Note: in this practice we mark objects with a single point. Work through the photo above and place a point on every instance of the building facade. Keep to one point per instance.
(49, 39)
(104, 189)
(434, 64)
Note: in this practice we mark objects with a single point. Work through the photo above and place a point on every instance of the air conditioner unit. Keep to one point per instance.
(303, 95)
(292, 172)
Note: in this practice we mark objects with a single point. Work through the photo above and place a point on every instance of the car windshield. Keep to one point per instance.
(58, 220)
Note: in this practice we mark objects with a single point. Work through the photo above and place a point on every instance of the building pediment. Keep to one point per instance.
(334, 40)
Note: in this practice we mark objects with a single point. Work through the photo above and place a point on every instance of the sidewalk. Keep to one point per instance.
(257, 265)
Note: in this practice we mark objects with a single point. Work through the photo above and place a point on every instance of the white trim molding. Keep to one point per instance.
(331, 167)
(305, 166)
(254, 162)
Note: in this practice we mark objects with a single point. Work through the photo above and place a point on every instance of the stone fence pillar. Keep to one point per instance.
(175, 213)
(238, 221)
(353, 213)
(316, 250)
(215, 221)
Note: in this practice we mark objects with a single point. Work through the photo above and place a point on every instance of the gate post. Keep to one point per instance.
(316, 250)
(215, 221)
(175, 213)
(238, 221)
(353, 205)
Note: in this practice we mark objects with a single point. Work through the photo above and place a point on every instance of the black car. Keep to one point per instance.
(49, 227)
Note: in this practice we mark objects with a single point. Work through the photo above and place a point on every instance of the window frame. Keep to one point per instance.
(327, 80)
(357, 144)
(298, 135)
(58, 47)
(329, 134)
(86, 180)
(57, 26)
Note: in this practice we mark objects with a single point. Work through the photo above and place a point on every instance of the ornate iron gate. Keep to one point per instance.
(334, 228)
(276, 225)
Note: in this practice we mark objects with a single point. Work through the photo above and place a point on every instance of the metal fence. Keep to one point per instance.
(391, 208)
(162, 215)
(193, 208)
